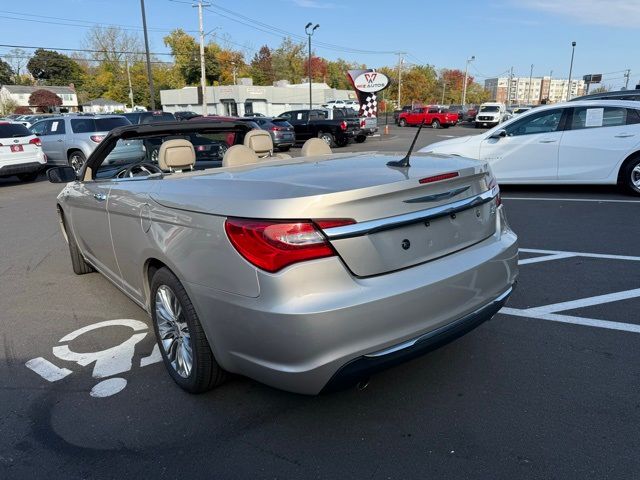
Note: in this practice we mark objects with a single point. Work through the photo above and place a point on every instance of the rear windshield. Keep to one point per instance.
(8, 130)
(87, 125)
(132, 117)
(158, 117)
(280, 123)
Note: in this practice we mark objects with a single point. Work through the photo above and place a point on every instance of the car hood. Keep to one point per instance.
(311, 187)
(447, 143)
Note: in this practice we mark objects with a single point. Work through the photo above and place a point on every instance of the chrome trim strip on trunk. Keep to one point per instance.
(389, 223)
(437, 331)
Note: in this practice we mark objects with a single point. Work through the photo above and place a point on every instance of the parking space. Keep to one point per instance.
(548, 389)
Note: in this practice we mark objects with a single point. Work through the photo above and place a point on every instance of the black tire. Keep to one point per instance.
(284, 149)
(435, 123)
(402, 122)
(629, 176)
(78, 263)
(342, 141)
(360, 139)
(476, 125)
(328, 138)
(446, 126)
(205, 373)
(76, 160)
(28, 177)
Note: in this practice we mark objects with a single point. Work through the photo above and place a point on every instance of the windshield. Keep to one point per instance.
(157, 117)
(9, 130)
(489, 108)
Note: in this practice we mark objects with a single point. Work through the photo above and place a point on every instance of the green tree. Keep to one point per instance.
(6, 73)
(186, 54)
(261, 67)
(54, 68)
(288, 61)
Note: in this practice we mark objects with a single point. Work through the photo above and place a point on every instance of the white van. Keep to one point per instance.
(491, 114)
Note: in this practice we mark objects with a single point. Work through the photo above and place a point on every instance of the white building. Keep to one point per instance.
(103, 105)
(20, 95)
(538, 90)
(236, 100)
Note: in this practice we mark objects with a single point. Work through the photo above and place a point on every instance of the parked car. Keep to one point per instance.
(404, 109)
(519, 110)
(433, 115)
(186, 115)
(69, 140)
(306, 274)
(155, 116)
(335, 104)
(368, 125)
(461, 110)
(282, 132)
(354, 104)
(20, 152)
(315, 123)
(588, 142)
(471, 114)
(490, 114)
(617, 95)
(253, 115)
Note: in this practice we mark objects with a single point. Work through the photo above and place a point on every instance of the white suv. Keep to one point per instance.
(491, 114)
(20, 152)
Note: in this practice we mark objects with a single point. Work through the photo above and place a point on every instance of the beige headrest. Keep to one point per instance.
(260, 142)
(176, 154)
(239, 155)
(315, 146)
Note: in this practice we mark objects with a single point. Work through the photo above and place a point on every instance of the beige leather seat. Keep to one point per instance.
(260, 142)
(177, 154)
(239, 155)
(315, 146)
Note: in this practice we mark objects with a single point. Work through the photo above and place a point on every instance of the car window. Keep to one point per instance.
(489, 108)
(433, 110)
(593, 117)
(157, 117)
(133, 117)
(88, 125)
(56, 127)
(542, 122)
(9, 130)
(39, 128)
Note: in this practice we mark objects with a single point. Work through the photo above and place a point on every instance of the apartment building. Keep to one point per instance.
(526, 91)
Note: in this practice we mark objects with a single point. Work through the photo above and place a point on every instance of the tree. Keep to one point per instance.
(17, 58)
(54, 68)
(601, 89)
(44, 100)
(262, 67)
(113, 45)
(319, 68)
(337, 73)
(288, 61)
(6, 73)
(22, 111)
(7, 105)
(186, 54)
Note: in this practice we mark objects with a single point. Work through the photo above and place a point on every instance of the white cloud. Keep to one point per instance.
(314, 4)
(612, 13)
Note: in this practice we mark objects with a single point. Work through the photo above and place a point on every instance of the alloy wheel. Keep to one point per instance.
(76, 162)
(174, 331)
(635, 176)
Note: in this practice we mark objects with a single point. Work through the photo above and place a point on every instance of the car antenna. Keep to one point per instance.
(404, 163)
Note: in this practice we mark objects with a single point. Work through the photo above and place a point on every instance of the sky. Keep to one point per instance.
(500, 33)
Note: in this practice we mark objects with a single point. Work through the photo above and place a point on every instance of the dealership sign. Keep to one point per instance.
(371, 82)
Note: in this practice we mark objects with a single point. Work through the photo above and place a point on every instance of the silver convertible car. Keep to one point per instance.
(307, 274)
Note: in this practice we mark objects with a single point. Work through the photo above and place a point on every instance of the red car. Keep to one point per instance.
(433, 115)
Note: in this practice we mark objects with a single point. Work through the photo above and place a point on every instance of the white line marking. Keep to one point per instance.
(589, 322)
(109, 387)
(446, 136)
(545, 258)
(585, 302)
(155, 357)
(47, 370)
(135, 325)
(551, 199)
(582, 254)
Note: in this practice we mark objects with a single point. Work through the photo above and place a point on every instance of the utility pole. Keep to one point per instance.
(152, 94)
(530, 80)
(444, 89)
(400, 62)
(310, 34)
(466, 75)
(627, 74)
(203, 73)
(130, 89)
(234, 72)
(573, 50)
(509, 87)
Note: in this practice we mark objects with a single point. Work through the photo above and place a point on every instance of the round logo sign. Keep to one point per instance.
(371, 82)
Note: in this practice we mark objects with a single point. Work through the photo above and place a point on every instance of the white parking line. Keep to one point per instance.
(552, 199)
(584, 302)
(589, 322)
(545, 258)
(580, 254)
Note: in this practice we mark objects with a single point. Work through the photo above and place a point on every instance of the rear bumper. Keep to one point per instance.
(313, 318)
(19, 168)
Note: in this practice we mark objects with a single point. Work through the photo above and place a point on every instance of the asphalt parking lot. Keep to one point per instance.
(547, 389)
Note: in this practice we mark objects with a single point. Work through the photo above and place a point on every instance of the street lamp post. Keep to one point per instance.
(466, 74)
(573, 50)
(530, 80)
(309, 34)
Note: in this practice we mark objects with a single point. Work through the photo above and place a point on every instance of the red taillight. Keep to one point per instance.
(272, 246)
(343, 126)
(97, 138)
(201, 148)
(363, 123)
(276, 129)
(334, 222)
(437, 178)
(35, 141)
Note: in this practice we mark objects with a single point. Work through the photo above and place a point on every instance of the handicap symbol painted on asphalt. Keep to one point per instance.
(106, 363)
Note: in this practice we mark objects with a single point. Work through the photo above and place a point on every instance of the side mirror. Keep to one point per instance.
(498, 134)
(61, 174)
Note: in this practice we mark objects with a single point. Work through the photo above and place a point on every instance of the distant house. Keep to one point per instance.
(20, 95)
(103, 105)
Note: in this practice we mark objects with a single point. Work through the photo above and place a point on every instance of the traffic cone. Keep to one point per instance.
(386, 129)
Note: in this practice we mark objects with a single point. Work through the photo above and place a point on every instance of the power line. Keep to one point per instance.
(86, 50)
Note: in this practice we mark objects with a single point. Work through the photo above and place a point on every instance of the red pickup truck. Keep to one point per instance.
(435, 116)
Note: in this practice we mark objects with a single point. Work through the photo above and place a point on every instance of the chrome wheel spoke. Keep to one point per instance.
(173, 331)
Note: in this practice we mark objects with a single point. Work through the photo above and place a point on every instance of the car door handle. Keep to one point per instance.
(547, 140)
(625, 135)
(101, 197)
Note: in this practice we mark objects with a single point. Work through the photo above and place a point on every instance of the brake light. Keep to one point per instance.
(35, 141)
(97, 138)
(275, 129)
(343, 126)
(334, 222)
(437, 178)
(271, 246)
(363, 123)
(493, 185)
(201, 148)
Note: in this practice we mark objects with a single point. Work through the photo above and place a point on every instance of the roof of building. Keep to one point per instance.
(102, 102)
(30, 89)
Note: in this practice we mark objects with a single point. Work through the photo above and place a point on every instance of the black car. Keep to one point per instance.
(155, 116)
(281, 131)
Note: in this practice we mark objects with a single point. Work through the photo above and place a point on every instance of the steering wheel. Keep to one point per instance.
(138, 169)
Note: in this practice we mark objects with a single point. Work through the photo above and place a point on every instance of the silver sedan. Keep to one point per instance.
(307, 274)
